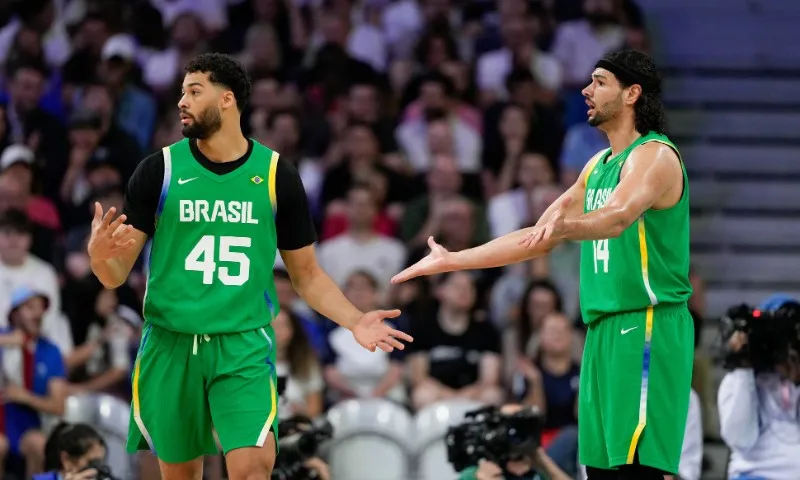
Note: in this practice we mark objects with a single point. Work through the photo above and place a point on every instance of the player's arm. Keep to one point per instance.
(506, 250)
(296, 238)
(112, 272)
(651, 173)
(115, 245)
(318, 290)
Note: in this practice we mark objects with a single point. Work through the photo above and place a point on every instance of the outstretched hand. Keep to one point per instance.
(438, 261)
(109, 238)
(372, 332)
(554, 228)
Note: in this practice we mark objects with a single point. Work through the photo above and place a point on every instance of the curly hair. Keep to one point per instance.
(649, 111)
(223, 71)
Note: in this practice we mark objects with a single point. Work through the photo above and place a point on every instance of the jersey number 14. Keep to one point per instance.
(600, 248)
(202, 259)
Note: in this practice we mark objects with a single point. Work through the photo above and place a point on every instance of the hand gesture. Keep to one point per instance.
(370, 331)
(488, 471)
(438, 261)
(554, 228)
(108, 238)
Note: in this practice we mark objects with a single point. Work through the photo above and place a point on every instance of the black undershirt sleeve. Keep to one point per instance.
(293, 222)
(143, 192)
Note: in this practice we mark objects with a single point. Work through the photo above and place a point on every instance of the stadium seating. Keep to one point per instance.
(373, 440)
(431, 425)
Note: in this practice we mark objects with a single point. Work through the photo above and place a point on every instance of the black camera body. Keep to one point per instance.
(489, 434)
(301, 441)
(771, 335)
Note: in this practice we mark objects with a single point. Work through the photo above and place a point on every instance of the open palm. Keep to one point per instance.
(438, 261)
(371, 331)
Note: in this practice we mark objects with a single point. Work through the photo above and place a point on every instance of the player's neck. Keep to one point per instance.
(621, 134)
(224, 146)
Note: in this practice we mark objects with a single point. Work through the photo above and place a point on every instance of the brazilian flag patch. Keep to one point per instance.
(257, 180)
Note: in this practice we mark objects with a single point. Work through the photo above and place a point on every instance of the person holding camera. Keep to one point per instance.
(758, 400)
(75, 452)
(536, 466)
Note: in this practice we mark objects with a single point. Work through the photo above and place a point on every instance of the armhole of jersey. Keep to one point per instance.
(165, 183)
(273, 169)
(592, 165)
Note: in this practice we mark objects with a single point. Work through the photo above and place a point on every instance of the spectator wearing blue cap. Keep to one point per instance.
(758, 413)
(33, 373)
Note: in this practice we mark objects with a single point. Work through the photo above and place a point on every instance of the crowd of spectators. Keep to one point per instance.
(406, 119)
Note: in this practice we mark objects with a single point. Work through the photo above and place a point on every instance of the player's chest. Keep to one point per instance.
(196, 201)
(599, 186)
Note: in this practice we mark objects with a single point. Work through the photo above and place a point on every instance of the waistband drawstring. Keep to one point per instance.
(202, 337)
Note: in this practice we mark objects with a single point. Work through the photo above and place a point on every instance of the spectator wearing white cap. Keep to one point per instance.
(136, 109)
(17, 190)
(18, 162)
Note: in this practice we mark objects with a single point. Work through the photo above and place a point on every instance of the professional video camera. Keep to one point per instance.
(489, 434)
(771, 335)
(299, 440)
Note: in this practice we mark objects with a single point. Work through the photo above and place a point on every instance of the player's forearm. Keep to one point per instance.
(499, 252)
(112, 272)
(606, 222)
(323, 295)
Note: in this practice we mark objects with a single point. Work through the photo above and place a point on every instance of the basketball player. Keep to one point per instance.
(630, 210)
(217, 207)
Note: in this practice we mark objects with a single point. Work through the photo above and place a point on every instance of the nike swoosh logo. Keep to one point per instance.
(626, 330)
(181, 181)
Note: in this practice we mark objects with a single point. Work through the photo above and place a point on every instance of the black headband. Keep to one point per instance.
(626, 75)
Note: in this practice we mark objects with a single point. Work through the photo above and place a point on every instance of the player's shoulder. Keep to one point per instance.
(654, 150)
(153, 161)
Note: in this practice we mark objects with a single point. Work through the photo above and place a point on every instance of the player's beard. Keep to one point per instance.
(203, 126)
(604, 113)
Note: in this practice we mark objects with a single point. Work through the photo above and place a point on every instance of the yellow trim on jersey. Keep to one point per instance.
(643, 254)
(591, 164)
(645, 380)
(273, 168)
(137, 415)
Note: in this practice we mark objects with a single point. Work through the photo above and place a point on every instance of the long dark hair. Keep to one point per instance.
(649, 115)
(74, 439)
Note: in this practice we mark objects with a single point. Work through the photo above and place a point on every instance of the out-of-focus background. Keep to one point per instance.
(406, 118)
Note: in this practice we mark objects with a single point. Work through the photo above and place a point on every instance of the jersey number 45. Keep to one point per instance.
(202, 259)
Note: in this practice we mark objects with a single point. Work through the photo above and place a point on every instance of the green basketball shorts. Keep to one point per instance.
(187, 388)
(634, 388)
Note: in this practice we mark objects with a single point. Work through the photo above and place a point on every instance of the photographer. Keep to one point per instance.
(535, 466)
(75, 452)
(758, 399)
(298, 444)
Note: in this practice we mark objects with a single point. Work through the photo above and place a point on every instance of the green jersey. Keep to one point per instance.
(649, 263)
(214, 246)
